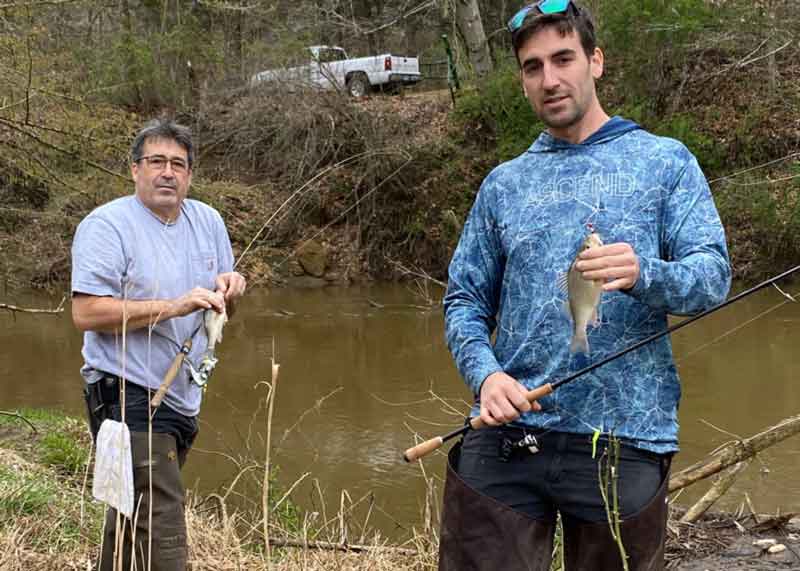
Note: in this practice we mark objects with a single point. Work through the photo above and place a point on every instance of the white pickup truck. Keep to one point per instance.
(330, 68)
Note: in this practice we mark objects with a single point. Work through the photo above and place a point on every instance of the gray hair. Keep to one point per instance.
(163, 129)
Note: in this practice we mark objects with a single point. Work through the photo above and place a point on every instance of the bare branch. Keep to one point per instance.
(329, 546)
(15, 309)
(36, 3)
(44, 143)
(16, 414)
(735, 453)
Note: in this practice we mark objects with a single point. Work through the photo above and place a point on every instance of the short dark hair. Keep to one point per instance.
(163, 129)
(575, 19)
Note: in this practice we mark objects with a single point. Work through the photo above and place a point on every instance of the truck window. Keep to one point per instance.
(329, 55)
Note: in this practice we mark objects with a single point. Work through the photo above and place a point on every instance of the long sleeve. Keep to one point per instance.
(694, 272)
(473, 292)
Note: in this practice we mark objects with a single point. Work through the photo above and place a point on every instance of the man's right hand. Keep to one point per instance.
(503, 399)
(105, 314)
(198, 298)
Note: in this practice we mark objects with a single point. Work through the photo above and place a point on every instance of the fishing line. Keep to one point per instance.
(735, 329)
(424, 448)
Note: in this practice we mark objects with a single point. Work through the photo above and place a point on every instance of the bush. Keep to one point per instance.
(500, 110)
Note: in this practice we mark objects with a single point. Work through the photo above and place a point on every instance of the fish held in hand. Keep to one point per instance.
(583, 298)
(214, 322)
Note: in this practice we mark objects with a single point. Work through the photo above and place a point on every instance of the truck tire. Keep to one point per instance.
(358, 84)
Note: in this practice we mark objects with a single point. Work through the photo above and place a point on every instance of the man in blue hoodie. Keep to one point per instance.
(664, 253)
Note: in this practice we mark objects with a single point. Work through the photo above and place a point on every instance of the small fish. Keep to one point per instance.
(214, 322)
(583, 298)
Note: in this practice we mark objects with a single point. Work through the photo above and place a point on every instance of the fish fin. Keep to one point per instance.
(562, 281)
(580, 343)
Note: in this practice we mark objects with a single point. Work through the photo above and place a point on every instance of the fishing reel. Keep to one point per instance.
(200, 375)
(509, 448)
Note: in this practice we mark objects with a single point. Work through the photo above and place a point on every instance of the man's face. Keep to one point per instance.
(558, 78)
(161, 184)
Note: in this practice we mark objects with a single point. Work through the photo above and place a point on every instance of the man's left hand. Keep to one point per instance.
(231, 285)
(615, 264)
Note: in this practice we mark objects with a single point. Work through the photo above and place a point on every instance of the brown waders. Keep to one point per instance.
(479, 533)
(172, 437)
(168, 549)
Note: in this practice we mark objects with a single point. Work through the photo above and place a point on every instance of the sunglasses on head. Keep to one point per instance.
(542, 7)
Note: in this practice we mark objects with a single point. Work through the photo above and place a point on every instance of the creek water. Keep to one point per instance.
(364, 368)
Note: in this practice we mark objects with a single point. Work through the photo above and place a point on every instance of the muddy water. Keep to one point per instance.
(359, 367)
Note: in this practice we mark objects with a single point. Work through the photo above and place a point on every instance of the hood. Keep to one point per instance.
(612, 129)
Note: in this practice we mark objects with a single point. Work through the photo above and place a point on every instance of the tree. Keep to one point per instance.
(470, 25)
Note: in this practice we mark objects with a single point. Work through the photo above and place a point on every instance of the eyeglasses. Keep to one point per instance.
(543, 7)
(159, 163)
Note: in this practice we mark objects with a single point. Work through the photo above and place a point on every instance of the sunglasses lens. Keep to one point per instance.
(516, 21)
(544, 7)
(553, 6)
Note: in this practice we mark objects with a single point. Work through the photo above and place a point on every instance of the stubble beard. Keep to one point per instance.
(564, 118)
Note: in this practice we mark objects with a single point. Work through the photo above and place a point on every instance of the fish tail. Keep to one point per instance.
(580, 342)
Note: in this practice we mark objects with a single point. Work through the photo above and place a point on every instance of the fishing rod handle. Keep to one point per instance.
(171, 374)
(423, 449)
(531, 396)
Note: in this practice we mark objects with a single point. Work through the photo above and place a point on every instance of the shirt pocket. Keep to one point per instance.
(204, 268)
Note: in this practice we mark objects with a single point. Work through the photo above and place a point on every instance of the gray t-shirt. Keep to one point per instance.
(123, 250)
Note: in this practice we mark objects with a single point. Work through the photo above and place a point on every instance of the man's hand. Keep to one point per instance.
(503, 399)
(231, 285)
(198, 298)
(615, 264)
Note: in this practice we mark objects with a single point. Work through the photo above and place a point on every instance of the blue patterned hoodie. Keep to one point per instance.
(525, 228)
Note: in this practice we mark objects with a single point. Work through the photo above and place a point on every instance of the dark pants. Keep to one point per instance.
(156, 467)
(501, 503)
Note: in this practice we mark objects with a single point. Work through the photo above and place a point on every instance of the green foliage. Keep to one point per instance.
(683, 128)
(21, 496)
(64, 451)
(763, 218)
(647, 39)
(60, 441)
(151, 69)
(500, 107)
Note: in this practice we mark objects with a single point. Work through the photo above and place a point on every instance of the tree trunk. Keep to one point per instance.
(468, 20)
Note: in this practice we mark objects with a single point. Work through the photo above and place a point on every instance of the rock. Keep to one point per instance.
(779, 548)
(764, 543)
(296, 269)
(313, 258)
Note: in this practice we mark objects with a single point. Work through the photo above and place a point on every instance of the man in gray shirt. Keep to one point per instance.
(144, 269)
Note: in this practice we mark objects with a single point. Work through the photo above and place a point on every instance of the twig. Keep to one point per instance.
(265, 489)
(16, 414)
(317, 406)
(36, 3)
(608, 477)
(290, 490)
(14, 308)
(416, 273)
(329, 546)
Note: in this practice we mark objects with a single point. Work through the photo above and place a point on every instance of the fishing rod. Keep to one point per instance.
(425, 448)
